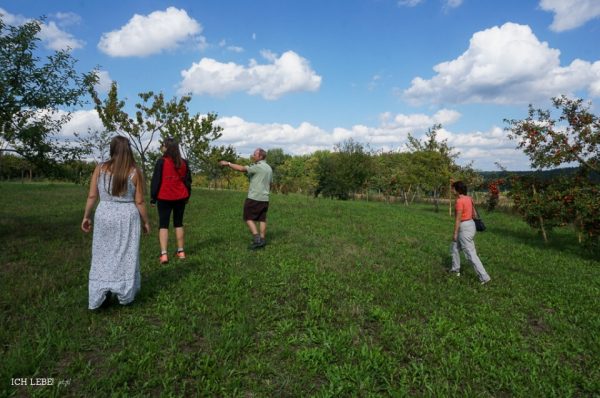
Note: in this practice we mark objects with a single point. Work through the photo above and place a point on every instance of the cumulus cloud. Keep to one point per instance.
(51, 35)
(56, 39)
(409, 3)
(82, 121)
(151, 34)
(104, 82)
(453, 3)
(414, 3)
(504, 65)
(67, 18)
(483, 148)
(570, 14)
(282, 75)
(232, 48)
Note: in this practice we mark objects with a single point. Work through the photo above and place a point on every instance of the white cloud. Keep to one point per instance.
(570, 14)
(50, 34)
(453, 3)
(483, 148)
(57, 39)
(104, 82)
(81, 121)
(235, 49)
(414, 3)
(152, 34)
(504, 65)
(282, 75)
(11, 19)
(409, 3)
(67, 18)
(418, 121)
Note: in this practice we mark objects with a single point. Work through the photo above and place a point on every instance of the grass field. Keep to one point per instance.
(347, 299)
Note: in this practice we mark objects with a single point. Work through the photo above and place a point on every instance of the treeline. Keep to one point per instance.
(352, 170)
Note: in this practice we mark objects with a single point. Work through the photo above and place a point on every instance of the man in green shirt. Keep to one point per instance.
(256, 205)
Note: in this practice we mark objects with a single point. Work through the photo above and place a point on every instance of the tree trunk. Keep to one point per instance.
(450, 200)
(541, 221)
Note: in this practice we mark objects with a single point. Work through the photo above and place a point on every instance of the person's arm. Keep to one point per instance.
(237, 167)
(457, 221)
(139, 200)
(188, 178)
(156, 181)
(86, 224)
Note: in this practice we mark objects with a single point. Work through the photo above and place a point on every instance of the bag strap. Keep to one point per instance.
(474, 211)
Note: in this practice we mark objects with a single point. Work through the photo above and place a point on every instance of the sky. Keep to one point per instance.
(304, 75)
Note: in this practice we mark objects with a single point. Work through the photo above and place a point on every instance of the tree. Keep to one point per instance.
(299, 174)
(210, 164)
(195, 133)
(276, 157)
(157, 117)
(433, 162)
(35, 95)
(96, 143)
(344, 171)
(550, 143)
(574, 137)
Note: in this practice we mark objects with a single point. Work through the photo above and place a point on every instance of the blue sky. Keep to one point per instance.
(305, 75)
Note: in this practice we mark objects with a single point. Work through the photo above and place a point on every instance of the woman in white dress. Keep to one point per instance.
(119, 185)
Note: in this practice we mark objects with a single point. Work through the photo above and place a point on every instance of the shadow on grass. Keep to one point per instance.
(557, 242)
(60, 226)
(160, 278)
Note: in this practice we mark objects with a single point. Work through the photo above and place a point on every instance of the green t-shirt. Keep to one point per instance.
(260, 175)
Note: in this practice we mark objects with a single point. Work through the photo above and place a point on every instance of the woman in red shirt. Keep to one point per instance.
(464, 233)
(170, 190)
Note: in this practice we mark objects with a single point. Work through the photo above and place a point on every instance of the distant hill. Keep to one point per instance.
(542, 174)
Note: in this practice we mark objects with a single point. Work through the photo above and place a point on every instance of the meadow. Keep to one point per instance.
(349, 298)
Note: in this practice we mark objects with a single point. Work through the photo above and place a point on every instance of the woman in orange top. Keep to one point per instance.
(464, 233)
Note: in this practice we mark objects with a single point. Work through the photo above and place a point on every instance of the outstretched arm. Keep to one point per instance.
(234, 166)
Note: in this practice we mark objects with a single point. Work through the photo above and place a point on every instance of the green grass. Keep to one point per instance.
(347, 299)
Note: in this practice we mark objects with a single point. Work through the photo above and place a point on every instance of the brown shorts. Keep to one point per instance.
(255, 210)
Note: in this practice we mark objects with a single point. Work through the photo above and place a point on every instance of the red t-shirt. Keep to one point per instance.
(172, 186)
(464, 203)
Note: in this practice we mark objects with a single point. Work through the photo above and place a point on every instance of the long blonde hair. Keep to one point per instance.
(120, 164)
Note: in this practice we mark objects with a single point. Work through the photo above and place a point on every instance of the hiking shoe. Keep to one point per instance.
(455, 273)
(163, 258)
(180, 255)
(258, 244)
(485, 282)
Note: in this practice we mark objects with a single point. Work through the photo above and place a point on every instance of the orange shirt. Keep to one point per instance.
(465, 204)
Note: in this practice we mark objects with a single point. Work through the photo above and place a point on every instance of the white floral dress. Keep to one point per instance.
(115, 245)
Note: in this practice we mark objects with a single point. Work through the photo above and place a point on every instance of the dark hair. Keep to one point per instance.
(120, 164)
(460, 187)
(262, 153)
(172, 150)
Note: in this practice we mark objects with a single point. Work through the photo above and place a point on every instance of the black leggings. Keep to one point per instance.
(164, 212)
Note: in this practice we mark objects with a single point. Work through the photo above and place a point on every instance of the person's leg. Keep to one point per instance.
(163, 239)
(252, 227)
(263, 229)
(262, 208)
(455, 253)
(164, 215)
(467, 243)
(179, 234)
(178, 210)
